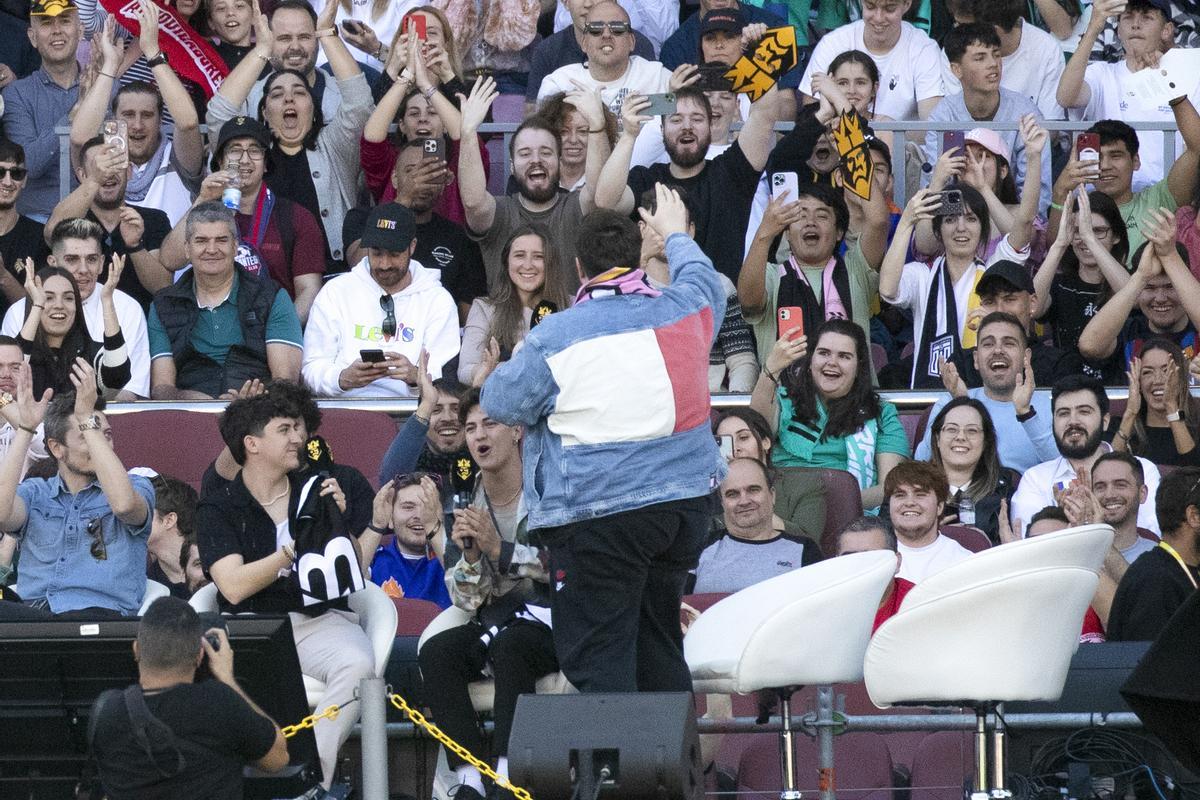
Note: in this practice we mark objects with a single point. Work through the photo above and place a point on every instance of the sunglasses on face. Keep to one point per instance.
(95, 530)
(615, 28)
(389, 319)
(16, 173)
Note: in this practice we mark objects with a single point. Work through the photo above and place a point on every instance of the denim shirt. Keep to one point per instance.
(57, 565)
(613, 394)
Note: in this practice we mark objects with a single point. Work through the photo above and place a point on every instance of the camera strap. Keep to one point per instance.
(149, 731)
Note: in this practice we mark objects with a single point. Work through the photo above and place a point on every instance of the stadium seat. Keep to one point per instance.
(204, 599)
(968, 536)
(177, 443)
(154, 590)
(413, 615)
(1001, 625)
(358, 438)
(805, 627)
(377, 616)
(843, 503)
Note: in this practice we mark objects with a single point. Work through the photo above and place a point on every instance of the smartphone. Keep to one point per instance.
(372, 356)
(953, 139)
(725, 442)
(1088, 147)
(785, 181)
(660, 104)
(712, 78)
(416, 22)
(790, 322)
(434, 147)
(952, 203)
(116, 131)
(463, 500)
(352, 26)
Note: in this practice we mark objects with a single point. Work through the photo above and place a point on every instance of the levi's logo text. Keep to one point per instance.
(374, 333)
(386, 224)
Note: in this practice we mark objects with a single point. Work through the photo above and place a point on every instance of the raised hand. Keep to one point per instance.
(132, 227)
(147, 17)
(1033, 135)
(475, 106)
(33, 285)
(670, 215)
(632, 118)
(488, 364)
(1158, 226)
(779, 214)
(83, 378)
(786, 352)
(921, 206)
(951, 163)
(588, 103)
(953, 382)
(1133, 406)
(115, 267)
(1023, 392)
(331, 488)
(112, 49)
(684, 75)
(27, 411)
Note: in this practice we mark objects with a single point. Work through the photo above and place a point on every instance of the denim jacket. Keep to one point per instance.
(613, 393)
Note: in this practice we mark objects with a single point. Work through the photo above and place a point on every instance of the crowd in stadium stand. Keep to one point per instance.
(276, 202)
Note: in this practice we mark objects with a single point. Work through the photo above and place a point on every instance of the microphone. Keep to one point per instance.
(318, 455)
(462, 480)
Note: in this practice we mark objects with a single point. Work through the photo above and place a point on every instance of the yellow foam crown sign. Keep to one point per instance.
(773, 56)
(850, 138)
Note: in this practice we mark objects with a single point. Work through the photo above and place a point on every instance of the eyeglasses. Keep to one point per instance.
(95, 529)
(616, 28)
(17, 173)
(389, 319)
(237, 153)
(1100, 231)
(970, 432)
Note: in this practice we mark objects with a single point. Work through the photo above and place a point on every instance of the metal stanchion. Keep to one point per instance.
(826, 780)
(372, 696)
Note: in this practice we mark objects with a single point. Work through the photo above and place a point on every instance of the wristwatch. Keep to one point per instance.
(92, 424)
(158, 60)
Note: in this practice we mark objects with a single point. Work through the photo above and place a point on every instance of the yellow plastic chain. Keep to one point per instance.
(310, 721)
(433, 730)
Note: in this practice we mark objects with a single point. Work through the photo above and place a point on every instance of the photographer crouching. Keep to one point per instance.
(168, 736)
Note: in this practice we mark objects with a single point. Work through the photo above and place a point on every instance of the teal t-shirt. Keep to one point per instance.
(218, 328)
(830, 453)
(1156, 196)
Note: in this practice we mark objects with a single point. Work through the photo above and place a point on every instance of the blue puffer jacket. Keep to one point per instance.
(614, 396)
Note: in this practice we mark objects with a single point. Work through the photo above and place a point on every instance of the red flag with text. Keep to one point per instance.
(191, 55)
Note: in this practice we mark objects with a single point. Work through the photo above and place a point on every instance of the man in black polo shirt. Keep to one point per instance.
(132, 231)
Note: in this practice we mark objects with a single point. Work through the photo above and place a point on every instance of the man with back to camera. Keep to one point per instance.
(195, 738)
(621, 544)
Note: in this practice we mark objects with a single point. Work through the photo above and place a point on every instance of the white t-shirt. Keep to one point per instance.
(911, 72)
(918, 563)
(1033, 70)
(1112, 98)
(642, 76)
(133, 329)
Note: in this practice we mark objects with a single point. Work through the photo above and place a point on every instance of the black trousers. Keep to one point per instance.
(519, 655)
(21, 612)
(618, 583)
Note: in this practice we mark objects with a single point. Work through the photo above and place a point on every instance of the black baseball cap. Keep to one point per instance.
(1009, 272)
(390, 227)
(242, 128)
(722, 19)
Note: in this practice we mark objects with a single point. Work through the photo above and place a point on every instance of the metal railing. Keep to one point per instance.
(900, 132)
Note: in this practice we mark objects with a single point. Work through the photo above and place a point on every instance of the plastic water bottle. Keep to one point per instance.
(966, 510)
(231, 198)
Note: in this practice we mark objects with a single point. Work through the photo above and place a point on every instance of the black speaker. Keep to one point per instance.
(631, 746)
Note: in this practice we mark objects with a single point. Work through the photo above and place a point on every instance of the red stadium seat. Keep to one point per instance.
(413, 615)
(968, 536)
(358, 438)
(843, 503)
(177, 443)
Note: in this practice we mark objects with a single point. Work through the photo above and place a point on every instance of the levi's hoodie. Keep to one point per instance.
(346, 317)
